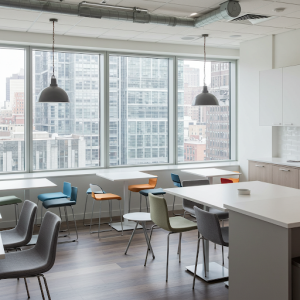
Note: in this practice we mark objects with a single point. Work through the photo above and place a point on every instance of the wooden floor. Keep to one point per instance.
(93, 269)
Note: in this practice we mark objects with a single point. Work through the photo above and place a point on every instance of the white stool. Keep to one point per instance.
(142, 218)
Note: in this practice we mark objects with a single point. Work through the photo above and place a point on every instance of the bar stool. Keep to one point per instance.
(145, 193)
(11, 200)
(89, 192)
(100, 196)
(139, 187)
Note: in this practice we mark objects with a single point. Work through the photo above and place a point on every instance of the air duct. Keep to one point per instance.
(227, 11)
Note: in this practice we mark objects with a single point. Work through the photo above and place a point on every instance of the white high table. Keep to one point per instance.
(125, 177)
(210, 173)
(2, 252)
(224, 195)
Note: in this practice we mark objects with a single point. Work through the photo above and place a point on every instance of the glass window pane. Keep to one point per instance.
(203, 131)
(12, 98)
(66, 135)
(138, 110)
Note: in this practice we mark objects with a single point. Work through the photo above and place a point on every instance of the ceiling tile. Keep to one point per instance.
(295, 14)
(62, 19)
(18, 14)
(129, 25)
(252, 5)
(170, 29)
(7, 23)
(143, 40)
(47, 27)
(150, 5)
(225, 26)
(177, 10)
(86, 30)
(269, 9)
(152, 36)
(256, 29)
(283, 22)
(120, 33)
(198, 3)
(102, 23)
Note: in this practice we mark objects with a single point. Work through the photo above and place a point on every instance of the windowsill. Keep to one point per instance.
(115, 170)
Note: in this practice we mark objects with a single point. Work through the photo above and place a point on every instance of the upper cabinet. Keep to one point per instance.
(291, 99)
(270, 97)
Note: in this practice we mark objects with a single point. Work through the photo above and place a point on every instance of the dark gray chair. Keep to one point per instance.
(37, 260)
(209, 229)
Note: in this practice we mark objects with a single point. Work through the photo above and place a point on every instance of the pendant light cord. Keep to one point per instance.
(204, 60)
(53, 47)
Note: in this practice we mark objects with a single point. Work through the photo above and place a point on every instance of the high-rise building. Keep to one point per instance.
(14, 84)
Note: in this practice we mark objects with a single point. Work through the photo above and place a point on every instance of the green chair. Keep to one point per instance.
(11, 200)
(160, 217)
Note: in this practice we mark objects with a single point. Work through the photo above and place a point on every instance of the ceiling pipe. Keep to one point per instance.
(227, 11)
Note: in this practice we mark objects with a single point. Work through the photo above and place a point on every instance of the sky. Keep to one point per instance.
(11, 61)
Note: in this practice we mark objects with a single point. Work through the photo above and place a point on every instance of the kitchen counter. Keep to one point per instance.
(276, 161)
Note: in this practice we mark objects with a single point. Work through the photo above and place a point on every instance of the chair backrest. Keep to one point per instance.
(209, 226)
(189, 203)
(176, 180)
(226, 180)
(47, 240)
(26, 221)
(67, 190)
(153, 182)
(74, 194)
(96, 189)
(159, 212)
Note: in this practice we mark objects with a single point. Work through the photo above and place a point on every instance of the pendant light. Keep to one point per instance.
(53, 93)
(205, 98)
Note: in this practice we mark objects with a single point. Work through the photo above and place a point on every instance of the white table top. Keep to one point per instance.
(25, 184)
(138, 216)
(225, 196)
(211, 172)
(125, 176)
(2, 252)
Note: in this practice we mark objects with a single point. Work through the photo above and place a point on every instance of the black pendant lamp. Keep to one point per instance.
(205, 98)
(53, 93)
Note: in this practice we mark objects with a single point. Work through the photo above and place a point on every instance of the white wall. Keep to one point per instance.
(253, 140)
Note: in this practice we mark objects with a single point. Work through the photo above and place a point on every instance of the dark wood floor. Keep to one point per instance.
(93, 269)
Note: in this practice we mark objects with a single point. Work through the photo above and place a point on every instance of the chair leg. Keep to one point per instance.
(110, 210)
(121, 216)
(147, 204)
(41, 288)
(75, 224)
(174, 208)
(92, 216)
(167, 267)
(179, 246)
(28, 295)
(140, 202)
(133, 232)
(149, 242)
(196, 263)
(36, 215)
(147, 239)
(42, 214)
(67, 220)
(204, 259)
(129, 202)
(16, 214)
(85, 208)
(46, 285)
(223, 255)
(99, 220)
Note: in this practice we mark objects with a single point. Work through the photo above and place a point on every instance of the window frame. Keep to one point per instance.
(104, 105)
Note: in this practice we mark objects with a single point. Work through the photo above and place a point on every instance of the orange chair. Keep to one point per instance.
(136, 188)
(226, 180)
(234, 180)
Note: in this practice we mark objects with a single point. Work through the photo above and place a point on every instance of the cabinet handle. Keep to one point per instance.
(288, 124)
(276, 123)
(259, 166)
(285, 170)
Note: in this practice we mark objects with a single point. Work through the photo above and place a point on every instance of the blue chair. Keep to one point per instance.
(145, 193)
(64, 202)
(89, 192)
(49, 196)
(176, 182)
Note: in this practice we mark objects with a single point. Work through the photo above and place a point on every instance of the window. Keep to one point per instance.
(66, 135)
(138, 110)
(12, 110)
(203, 132)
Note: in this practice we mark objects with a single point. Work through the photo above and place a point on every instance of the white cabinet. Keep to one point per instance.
(270, 97)
(291, 96)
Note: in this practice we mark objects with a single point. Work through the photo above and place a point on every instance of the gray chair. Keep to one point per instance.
(37, 260)
(209, 229)
(21, 235)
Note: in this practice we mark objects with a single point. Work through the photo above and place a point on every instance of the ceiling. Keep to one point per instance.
(220, 33)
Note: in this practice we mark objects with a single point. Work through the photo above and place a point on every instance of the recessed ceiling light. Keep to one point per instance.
(279, 9)
(235, 36)
(193, 14)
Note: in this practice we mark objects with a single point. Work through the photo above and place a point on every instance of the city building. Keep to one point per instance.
(195, 150)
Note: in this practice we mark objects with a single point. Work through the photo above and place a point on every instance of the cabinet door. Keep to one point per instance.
(286, 176)
(291, 99)
(270, 97)
(260, 172)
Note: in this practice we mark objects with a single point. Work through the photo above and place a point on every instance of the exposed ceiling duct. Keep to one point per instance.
(227, 11)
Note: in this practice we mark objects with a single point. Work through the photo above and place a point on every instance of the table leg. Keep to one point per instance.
(211, 180)
(127, 225)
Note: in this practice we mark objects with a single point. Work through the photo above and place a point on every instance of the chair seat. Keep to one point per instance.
(225, 235)
(158, 191)
(89, 192)
(9, 200)
(22, 264)
(234, 180)
(58, 203)
(108, 196)
(222, 215)
(49, 196)
(180, 224)
(139, 187)
(12, 239)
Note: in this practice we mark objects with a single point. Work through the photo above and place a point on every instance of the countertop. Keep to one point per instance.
(276, 161)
